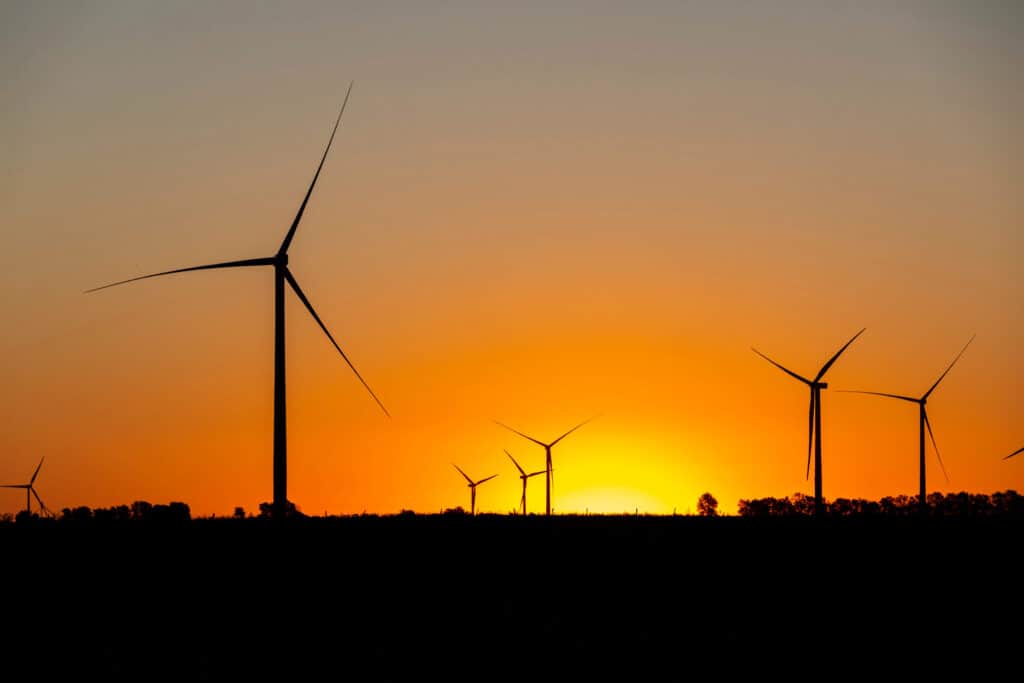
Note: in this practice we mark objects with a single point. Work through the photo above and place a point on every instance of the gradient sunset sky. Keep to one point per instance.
(533, 212)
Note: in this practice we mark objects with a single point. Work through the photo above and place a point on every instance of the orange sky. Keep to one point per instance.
(531, 215)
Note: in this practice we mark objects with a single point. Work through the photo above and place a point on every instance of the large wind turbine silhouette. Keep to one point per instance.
(814, 416)
(472, 487)
(30, 490)
(923, 423)
(549, 479)
(282, 274)
(524, 477)
(1019, 450)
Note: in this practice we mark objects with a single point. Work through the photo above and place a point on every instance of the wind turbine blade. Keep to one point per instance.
(463, 474)
(928, 393)
(21, 486)
(551, 473)
(539, 443)
(42, 506)
(833, 359)
(810, 436)
(485, 479)
(785, 370)
(36, 473)
(298, 291)
(591, 419)
(928, 424)
(878, 393)
(1019, 450)
(521, 471)
(534, 474)
(227, 264)
(305, 200)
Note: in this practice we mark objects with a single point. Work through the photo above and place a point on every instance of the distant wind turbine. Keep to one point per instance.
(524, 477)
(1019, 450)
(923, 423)
(472, 487)
(281, 275)
(550, 478)
(814, 416)
(30, 490)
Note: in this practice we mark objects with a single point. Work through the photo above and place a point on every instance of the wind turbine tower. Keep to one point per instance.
(30, 490)
(814, 416)
(550, 478)
(923, 423)
(524, 477)
(472, 487)
(282, 275)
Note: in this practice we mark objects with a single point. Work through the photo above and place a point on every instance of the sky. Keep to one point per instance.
(533, 212)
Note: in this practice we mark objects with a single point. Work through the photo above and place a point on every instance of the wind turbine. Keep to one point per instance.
(549, 479)
(282, 274)
(30, 490)
(524, 477)
(472, 488)
(1019, 450)
(814, 416)
(923, 423)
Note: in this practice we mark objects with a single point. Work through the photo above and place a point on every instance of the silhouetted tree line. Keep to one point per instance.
(139, 511)
(1003, 504)
(963, 504)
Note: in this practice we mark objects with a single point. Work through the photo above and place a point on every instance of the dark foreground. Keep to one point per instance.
(497, 598)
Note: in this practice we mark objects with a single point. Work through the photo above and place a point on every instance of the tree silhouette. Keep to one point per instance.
(24, 517)
(707, 506)
(176, 511)
(288, 510)
(141, 510)
(81, 513)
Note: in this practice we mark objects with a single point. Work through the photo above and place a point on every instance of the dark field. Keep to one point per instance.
(452, 597)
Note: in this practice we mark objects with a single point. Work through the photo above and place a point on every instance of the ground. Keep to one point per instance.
(493, 597)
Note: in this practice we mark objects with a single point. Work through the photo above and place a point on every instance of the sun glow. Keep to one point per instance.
(611, 501)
